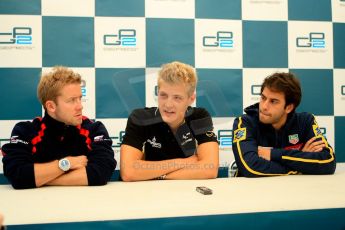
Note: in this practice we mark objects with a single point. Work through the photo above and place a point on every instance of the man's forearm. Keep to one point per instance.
(46, 172)
(199, 170)
(74, 177)
(204, 166)
(146, 170)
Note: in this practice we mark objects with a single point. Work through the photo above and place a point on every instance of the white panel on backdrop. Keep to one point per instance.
(339, 92)
(116, 129)
(6, 127)
(169, 8)
(265, 10)
(310, 45)
(326, 124)
(223, 130)
(252, 81)
(218, 43)
(338, 11)
(20, 41)
(151, 75)
(85, 8)
(88, 90)
(120, 42)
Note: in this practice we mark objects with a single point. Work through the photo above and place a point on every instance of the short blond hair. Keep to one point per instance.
(51, 83)
(178, 73)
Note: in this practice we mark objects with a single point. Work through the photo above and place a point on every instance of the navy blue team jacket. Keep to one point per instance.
(45, 140)
(287, 144)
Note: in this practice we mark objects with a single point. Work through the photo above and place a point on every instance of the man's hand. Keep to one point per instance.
(264, 152)
(77, 162)
(314, 145)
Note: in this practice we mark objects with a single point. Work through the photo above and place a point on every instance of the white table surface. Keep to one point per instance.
(154, 199)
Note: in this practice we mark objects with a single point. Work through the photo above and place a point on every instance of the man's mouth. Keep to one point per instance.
(265, 114)
(169, 112)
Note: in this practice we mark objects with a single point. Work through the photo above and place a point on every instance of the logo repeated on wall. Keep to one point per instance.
(123, 38)
(310, 45)
(20, 41)
(223, 39)
(217, 42)
(255, 90)
(18, 36)
(120, 42)
(312, 40)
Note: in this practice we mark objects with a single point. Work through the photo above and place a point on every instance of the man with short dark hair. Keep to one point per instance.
(272, 139)
(63, 147)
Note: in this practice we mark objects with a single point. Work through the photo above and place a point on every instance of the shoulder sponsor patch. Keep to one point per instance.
(210, 134)
(100, 138)
(317, 130)
(240, 134)
(15, 140)
(154, 143)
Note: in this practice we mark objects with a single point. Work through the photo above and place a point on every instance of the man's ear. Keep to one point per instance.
(50, 106)
(289, 108)
(192, 98)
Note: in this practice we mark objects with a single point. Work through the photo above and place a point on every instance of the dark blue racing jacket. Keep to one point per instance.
(45, 140)
(286, 146)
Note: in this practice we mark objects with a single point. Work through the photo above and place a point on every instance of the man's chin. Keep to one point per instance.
(264, 121)
(167, 119)
(78, 122)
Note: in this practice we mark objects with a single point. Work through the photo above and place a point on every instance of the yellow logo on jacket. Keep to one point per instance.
(240, 134)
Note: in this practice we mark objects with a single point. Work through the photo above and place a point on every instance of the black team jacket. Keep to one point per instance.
(46, 139)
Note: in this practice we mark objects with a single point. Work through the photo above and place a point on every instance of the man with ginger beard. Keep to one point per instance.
(63, 147)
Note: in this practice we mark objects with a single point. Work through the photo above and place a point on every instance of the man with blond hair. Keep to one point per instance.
(63, 147)
(173, 140)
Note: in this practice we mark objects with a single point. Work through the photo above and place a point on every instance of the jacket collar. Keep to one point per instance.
(53, 124)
